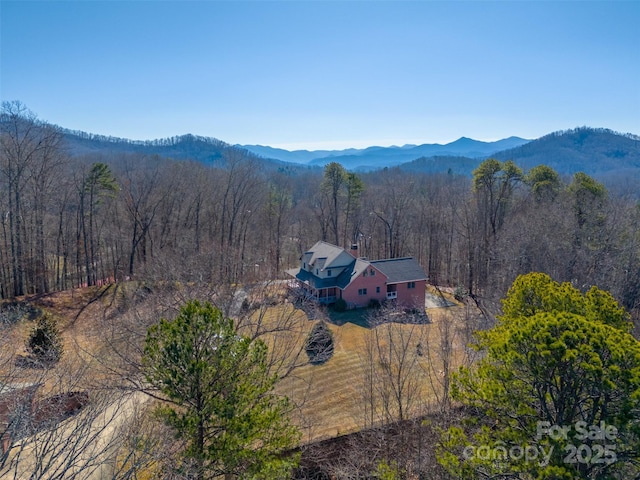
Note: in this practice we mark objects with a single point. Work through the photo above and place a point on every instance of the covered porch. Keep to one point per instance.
(392, 291)
(325, 296)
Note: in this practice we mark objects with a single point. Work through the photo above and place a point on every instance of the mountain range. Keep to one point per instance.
(372, 158)
(595, 151)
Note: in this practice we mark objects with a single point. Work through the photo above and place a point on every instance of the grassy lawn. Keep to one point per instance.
(331, 399)
(356, 317)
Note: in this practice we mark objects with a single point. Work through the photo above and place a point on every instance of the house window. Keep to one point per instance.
(328, 273)
(316, 271)
(362, 291)
(364, 274)
(377, 289)
(411, 285)
(372, 272)
(304, 265)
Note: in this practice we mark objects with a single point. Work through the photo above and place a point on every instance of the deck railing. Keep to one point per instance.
(329, 299)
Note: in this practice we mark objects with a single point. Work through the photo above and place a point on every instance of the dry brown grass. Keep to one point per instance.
(77, 313)
(331, 397)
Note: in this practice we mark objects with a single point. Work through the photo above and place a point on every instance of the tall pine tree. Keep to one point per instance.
(217, 396)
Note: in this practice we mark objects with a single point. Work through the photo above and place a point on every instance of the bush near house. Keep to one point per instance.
(340, 305)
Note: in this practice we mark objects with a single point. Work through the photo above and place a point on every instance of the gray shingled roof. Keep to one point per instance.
(323, 255)
(399, 270)
(351, 272)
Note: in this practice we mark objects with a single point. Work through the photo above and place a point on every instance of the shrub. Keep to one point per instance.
(459, 293)
(374, 303)
(386, 471)
(319, 344)
(246, 306)
(44, 343)
(13, 312)
(340, 305)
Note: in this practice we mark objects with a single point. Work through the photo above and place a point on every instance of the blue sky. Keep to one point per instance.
(324, 74)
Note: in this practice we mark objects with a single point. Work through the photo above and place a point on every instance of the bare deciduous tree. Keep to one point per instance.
(393, 378)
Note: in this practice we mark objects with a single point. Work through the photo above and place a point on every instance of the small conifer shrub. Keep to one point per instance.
(44, 344)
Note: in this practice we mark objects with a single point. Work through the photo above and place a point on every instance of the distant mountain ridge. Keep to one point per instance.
(375, 157)
(183, 147)
(595, 151)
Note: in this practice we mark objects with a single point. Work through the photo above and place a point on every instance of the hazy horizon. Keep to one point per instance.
(324, 75)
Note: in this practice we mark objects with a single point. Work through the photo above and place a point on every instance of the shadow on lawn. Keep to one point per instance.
(359, 316)
(362, 317)
(372, 317)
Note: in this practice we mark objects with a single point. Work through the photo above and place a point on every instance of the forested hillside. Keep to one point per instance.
(597, 152)
(115, 216)
(207, 150)
(111, 258)
(605, 154)
(609, 156)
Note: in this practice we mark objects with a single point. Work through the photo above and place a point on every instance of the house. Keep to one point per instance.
(328, 272)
